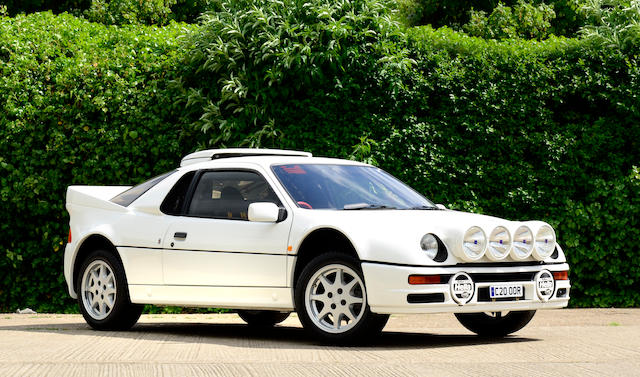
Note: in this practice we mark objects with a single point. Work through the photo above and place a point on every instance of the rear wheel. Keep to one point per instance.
(103, 295)
(331, 300)
(495, 324)
(262, 318)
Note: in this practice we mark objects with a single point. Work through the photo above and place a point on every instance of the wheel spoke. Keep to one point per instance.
(336, 320)
(109, 291)
(325, 282)
(322, 297)
(347, 313)
(323, 313)
(94, 276)
(94, 299)
(340, 277)
(349, 287)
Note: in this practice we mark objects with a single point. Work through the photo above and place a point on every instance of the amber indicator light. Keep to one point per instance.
(561, 275)
(424, 279)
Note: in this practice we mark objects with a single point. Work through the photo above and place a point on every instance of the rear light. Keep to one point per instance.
(561, 275)
(69, 239)
(424, 279)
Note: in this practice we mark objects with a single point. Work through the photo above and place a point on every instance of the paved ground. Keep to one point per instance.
(601, 342)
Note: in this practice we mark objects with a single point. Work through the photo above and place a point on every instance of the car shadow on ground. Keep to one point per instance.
(241, 335)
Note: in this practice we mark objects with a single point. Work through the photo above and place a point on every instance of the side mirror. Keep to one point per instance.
(441, 206)
(264, 212)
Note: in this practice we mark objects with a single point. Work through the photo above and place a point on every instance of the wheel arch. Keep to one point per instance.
(88, 244)
(318, 241)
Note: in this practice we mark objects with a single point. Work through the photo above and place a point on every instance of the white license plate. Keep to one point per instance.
(506, 290)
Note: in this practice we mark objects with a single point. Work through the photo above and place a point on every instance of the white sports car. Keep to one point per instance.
(267, 232)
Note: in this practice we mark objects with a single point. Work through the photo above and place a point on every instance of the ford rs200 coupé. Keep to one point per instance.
(268, 232)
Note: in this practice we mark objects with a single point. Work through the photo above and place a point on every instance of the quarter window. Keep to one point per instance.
(127, 197)
(173, 203)
(227, 194)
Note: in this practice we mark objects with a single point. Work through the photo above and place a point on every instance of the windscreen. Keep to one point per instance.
(347, 187)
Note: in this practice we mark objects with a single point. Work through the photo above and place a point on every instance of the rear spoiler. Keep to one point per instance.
(214, 154)
(95, 196)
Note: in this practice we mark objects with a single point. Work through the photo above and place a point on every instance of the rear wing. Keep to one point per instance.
(214, 154)
(95, 197)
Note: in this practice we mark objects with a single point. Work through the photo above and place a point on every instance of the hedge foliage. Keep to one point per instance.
(259, 70)
(81, 103)
(567, 16)
(527, 130)
(520, 129)
(117, 12)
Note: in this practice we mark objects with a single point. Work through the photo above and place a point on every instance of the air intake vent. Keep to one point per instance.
(425, 298)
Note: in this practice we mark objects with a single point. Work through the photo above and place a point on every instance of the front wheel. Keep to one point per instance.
(495, 324)
(262, 318)
(103, 295)
(331, 300)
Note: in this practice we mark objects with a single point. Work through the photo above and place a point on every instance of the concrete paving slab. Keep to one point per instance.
(569, 342)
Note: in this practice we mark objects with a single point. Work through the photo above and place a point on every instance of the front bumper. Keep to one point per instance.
(389, 291)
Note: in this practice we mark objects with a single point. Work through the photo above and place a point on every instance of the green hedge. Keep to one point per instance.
(528, 130)
(81, 103)
(520, 129)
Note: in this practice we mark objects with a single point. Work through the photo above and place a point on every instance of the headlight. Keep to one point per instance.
(499, 244)
(474, 244)
(522, 243)
(429, 244)
(545, 242)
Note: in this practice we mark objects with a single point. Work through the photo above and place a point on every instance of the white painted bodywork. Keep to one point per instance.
(250, 265)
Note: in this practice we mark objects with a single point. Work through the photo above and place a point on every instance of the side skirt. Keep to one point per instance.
(267, 298)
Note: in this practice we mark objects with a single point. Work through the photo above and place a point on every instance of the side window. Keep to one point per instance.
(172, 204)
(227, 194)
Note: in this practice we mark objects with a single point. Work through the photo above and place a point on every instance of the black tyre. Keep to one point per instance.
(331, 300)
(103, 294)
(262, 318)
(495, 324)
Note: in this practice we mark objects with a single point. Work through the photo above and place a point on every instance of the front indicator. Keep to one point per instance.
(561, 275)
(424, 279)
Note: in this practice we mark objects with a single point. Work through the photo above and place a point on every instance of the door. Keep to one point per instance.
(214, 244)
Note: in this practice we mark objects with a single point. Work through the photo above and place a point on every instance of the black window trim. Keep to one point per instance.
(201, 172)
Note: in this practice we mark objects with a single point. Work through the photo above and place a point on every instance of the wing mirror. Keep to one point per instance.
(441, 206)
(265, 212)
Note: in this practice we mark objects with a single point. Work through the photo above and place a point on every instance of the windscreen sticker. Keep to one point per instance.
(295, 169)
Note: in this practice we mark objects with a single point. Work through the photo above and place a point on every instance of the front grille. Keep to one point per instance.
(498, 277)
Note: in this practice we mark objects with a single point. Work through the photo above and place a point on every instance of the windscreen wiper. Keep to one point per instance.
(357, 206)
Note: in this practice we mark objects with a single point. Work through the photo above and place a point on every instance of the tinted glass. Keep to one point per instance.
(172, 204)
(127, 197)
(227, 194)
(347, 187)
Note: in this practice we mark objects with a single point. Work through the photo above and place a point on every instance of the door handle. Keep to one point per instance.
(180, 235)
